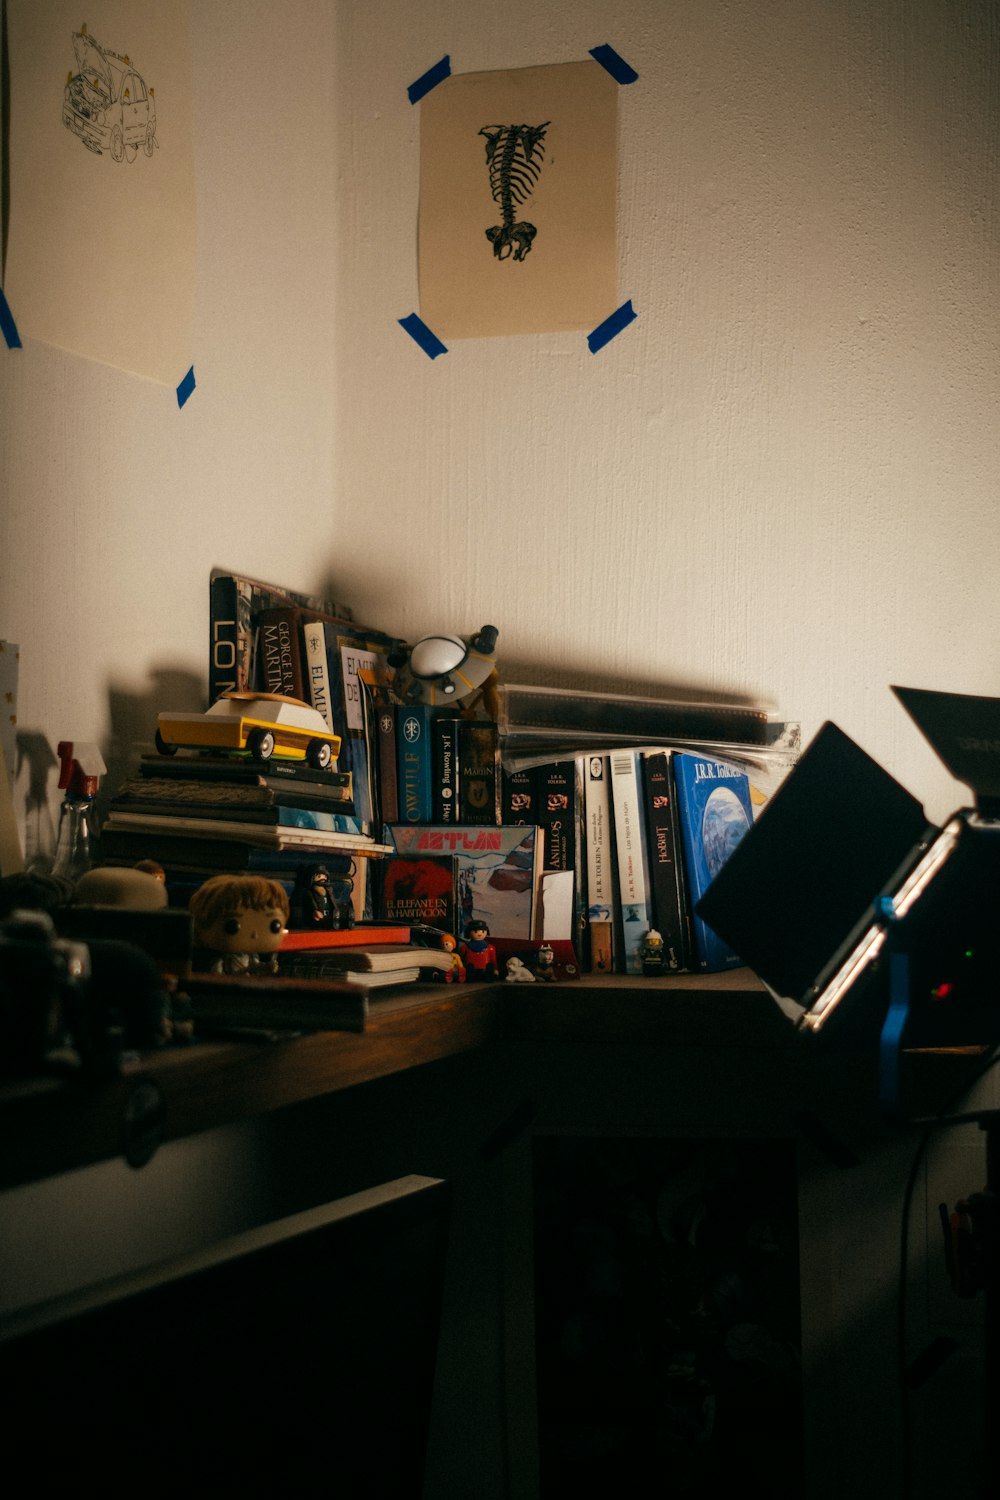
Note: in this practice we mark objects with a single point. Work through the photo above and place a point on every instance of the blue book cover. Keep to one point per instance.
(415, 755)
(715, 811)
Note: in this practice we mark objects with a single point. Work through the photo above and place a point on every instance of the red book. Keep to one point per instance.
(345, 937)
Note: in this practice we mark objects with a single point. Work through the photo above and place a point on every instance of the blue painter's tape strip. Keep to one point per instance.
(620, 70)
(423, 85)
(606, 331)
(7, 325)
(422, 335)
(186, 387)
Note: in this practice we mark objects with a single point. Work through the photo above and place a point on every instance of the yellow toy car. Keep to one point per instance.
(262, 724)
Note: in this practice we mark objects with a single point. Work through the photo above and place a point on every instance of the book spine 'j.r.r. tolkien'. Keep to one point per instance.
(519, 796)
(556, 784)
(415, 763)
(671, 917)
(478, 772)
(445, 756)
(601, 865)
(630, 847)
(385, 754)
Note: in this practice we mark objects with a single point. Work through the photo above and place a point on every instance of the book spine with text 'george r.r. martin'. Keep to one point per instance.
(235, 604)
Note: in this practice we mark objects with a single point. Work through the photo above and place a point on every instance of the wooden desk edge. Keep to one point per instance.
(51, 1126)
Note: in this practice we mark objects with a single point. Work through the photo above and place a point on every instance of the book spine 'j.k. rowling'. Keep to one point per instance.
(445, 757)
(630, 845)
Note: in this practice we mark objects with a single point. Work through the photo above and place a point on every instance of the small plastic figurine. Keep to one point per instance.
(653, 954)
(456, 974)
(478, 952)
(443, 669)
(544, 967)
(312, 900)
(518, 971)
(238, 924)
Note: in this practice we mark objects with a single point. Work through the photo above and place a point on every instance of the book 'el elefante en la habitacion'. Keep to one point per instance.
(497, 871)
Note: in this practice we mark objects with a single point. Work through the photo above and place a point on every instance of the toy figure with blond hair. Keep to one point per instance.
(238, 924)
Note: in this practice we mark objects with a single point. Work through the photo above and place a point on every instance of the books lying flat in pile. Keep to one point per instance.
(231, 1005)
(367, 956)
(213, 813)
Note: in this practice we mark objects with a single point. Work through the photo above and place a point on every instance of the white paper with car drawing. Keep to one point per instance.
(517, 201)
(101, 251)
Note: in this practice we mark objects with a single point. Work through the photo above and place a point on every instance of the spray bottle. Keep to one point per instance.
(80, 770)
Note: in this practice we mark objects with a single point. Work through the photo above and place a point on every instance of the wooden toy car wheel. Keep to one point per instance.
(260, 743)
(162, 747)
(319, 754)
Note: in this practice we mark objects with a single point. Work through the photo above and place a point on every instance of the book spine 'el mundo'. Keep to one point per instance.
(316, 669)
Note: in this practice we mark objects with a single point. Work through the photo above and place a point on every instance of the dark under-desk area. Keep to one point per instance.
(671, 1089)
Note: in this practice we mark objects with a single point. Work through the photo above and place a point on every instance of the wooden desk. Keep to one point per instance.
(52, 1125)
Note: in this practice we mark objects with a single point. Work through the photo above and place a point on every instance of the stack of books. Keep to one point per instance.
(369, 955)
(199, 815)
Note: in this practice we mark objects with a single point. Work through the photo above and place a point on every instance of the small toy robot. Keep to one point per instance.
(443, 669)
(238, 924)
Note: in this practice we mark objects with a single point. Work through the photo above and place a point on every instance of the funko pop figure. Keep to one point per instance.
(239, 922)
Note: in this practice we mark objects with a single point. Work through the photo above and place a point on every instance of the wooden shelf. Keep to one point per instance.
(54, 1125)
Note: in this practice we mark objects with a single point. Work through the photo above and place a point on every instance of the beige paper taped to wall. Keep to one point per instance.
(101, 253)
(559, 274)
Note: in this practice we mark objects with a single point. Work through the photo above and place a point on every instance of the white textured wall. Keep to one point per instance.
(780, 482)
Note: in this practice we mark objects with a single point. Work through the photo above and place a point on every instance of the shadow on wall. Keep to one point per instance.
(132, 724)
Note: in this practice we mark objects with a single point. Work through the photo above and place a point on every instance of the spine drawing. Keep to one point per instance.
(514, 156)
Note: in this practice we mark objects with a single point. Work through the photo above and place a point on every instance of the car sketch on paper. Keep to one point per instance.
(107, 104)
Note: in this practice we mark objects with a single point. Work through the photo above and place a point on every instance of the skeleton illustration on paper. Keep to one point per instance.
(514, 156)
(106, 103)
